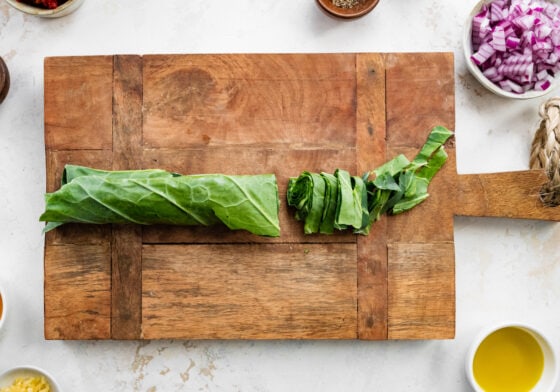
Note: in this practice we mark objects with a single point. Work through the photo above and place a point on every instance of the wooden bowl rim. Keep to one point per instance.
(347, 12)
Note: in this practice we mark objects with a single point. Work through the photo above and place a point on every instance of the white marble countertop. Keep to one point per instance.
(505, 269)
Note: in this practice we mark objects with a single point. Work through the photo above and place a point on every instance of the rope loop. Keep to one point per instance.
(545, 151)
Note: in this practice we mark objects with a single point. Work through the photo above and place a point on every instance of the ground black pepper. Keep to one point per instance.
(346, 3)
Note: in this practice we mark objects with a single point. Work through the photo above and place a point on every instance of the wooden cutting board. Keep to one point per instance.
(251, 114)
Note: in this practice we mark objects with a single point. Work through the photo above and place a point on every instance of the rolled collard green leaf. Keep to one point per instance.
(330, 204)
(240, 202)
(71, 172)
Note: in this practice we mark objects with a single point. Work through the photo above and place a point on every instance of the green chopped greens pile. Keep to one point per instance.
(325, 202)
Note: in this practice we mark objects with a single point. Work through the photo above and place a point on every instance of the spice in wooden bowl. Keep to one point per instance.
(348, 8)
(346, 3)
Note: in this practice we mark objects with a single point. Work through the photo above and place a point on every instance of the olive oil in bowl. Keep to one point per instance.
(512, 358)
(509, 360)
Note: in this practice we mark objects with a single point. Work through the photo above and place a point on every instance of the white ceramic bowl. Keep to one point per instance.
(8, 377)
(549, 375)
(4, 308)
(62, 10)
(477, 73)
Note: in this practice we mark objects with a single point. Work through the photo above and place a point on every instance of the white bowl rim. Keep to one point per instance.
(32, 369)
(29, 9)
(538, 334)
(475, 71)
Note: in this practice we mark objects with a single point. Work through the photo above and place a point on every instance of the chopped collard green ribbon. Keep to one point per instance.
(325, 202)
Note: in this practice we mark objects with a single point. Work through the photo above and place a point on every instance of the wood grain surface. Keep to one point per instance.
(78, 292)
(371, 133)
(249, 291)
(126, 245)
(253, 114)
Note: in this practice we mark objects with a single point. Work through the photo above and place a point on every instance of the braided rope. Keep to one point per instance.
(545, 150)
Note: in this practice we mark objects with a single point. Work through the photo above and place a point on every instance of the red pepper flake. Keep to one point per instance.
(48, 4)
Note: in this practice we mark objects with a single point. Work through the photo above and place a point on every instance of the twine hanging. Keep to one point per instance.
(545, 151)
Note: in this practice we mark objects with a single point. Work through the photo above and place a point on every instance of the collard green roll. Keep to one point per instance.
(149, 197)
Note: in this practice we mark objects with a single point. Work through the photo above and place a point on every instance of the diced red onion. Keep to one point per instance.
(496, 12)
(511, 87)
(513, 42)
(542, 45)
(552, 59)
(542, 31)
(541, 85)
(542, 75)
(480, 27)
(498, 41)
(493, 74)
(484, 52)
(516, 43)
(555, 37)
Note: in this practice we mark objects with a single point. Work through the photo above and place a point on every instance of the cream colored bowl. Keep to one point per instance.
(477, 73)
(8, 377)
(549, 375)
(64, 9)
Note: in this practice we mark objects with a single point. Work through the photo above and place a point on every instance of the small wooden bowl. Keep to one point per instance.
(362, 8)
(4, 80)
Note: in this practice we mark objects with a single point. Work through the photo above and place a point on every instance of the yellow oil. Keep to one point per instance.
(508, 360)
(1, 307)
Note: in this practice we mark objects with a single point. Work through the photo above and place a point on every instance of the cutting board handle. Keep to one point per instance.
(509, 194)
